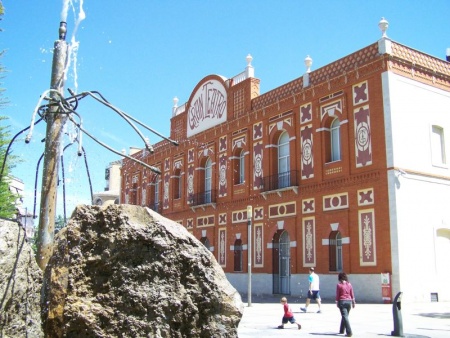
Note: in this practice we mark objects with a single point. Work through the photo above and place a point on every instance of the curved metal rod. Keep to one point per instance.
(36, 109)
(141, 123)
(10, 144)
(67, 110)
(75, 96)
(155, 170)
(64, 180)
(88, 174)
(118, 111)
(35, 184)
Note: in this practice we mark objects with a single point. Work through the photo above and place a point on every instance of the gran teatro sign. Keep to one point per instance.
(208, 107)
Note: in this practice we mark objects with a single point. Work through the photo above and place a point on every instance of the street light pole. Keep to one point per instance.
(249, 253)
(55, 124)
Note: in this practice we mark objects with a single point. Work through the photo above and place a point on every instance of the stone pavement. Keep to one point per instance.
(367, 320)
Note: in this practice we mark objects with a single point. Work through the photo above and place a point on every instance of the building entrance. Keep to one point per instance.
(281, 263)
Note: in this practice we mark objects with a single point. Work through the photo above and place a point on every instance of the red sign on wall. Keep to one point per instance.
(386, 291)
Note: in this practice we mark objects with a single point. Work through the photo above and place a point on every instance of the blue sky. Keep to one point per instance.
(141, 54)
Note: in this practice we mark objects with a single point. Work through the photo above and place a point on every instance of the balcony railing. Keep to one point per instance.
(206, 197)
(280, 181)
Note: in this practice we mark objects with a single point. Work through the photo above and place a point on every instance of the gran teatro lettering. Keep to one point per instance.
(208, 107)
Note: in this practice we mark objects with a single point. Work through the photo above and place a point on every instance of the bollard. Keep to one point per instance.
(397, 313)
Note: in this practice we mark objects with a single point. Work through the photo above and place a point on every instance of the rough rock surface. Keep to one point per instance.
(20, 284)
(126, 271)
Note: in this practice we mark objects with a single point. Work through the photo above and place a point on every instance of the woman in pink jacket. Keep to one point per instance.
(345, 300)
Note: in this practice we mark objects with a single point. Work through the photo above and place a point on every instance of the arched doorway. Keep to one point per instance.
(281, 263)
(335, 251)
(238, 255)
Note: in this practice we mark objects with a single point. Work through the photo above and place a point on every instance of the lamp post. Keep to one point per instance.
(55, 125)
(249, 253)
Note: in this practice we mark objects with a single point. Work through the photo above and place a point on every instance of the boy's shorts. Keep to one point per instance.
(313, 295)
(288, 319)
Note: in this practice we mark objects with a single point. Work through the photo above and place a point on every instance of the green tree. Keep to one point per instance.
(7, 198)
(59, 223)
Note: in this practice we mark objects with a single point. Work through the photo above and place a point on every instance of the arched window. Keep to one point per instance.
(238, 255)
(283, 161)
(157, 194)
(335, 140)
(153, 195)
(438, 146)
(208, 180)
(335, 244)
(205, 242)
(239, 167)
(177, 184)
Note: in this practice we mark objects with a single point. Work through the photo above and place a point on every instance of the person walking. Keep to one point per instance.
(288, 315)
(345, 300)
(313, 292)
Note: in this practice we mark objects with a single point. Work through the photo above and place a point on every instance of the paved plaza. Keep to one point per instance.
(367, 320)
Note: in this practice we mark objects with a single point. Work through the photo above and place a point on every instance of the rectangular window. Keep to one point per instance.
(438, 146)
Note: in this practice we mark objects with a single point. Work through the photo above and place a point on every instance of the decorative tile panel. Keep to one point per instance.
(360, 93)
(222, 247)
(191, 155)
(309, 241)
(223, 219)
(190, 182)
(335, 202)
(258, 165)
(366, 197)
(282, 210)
(167, 164)
(307, 163)
(306, 113)
(239, 216)
(257, 131)
(223, 143)
(223, 175)
(363, 144)
(258, 246)
(205, 221)
(258, 213)
(166, 191)
(367, 245)
(190, 223)
(308, 205)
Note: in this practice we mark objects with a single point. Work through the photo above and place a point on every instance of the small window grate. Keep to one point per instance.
(434, 297)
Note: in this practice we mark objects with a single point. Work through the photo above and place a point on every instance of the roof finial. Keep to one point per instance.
(175, 106)
(308, 63)
(249, 59)
(383, 25)
(249, 70)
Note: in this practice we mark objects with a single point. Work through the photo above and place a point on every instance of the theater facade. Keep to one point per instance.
(344, 169)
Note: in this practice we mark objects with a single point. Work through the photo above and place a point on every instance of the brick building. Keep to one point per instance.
(344, 167)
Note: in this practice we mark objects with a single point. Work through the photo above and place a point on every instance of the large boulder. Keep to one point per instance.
(126, 271)
(20, 284)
